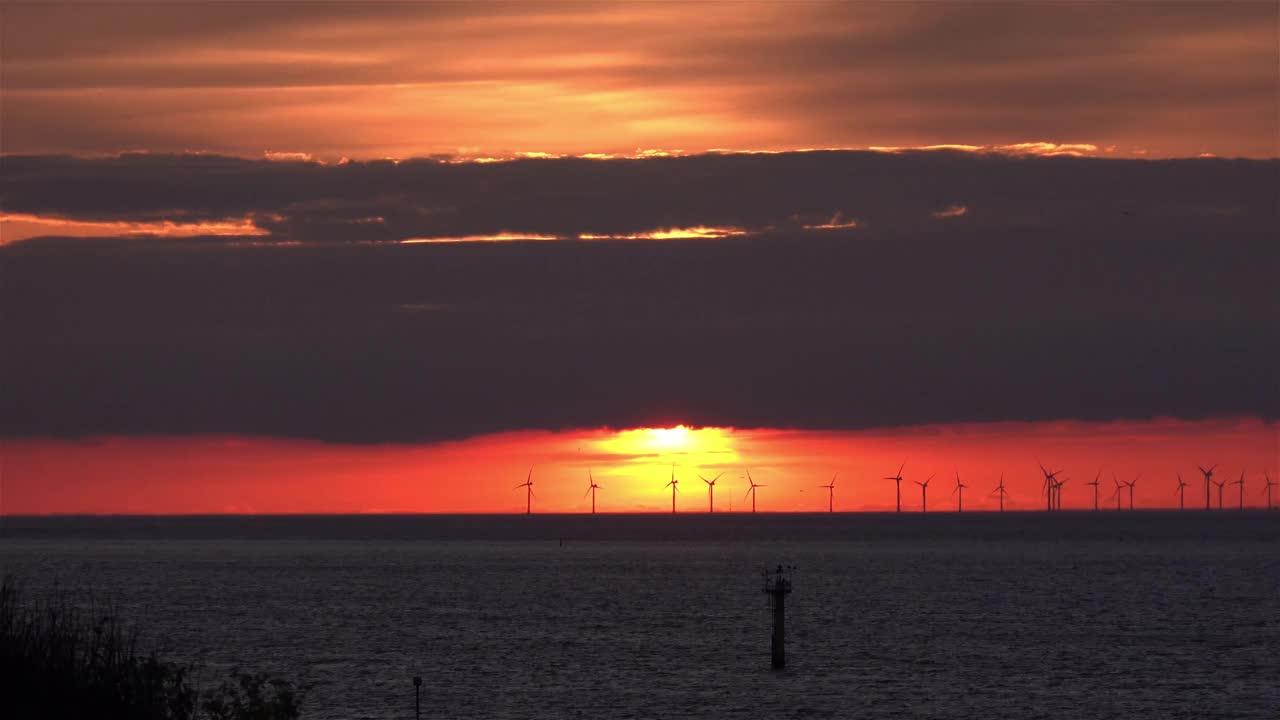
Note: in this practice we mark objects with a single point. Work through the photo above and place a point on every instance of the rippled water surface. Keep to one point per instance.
(1074, 615)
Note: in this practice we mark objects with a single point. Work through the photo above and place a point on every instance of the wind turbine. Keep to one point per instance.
(528, 497)
(1057, 492)
(898, 481)
(1050, 479)
(592, 487)
(711, 491)
(1001, 492)
(1208, 476)
(1270, 484)
(1130, 485)
(831, 493)
(924, 493)
(752, 490)
(1116, 494)
(1096, 482)
(1240, 482)
(1220, 485)
(674, 485)
(959, 489)
(1182, 492)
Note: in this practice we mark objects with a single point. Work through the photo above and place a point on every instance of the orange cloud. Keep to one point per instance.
(18, 226)
(404, 80)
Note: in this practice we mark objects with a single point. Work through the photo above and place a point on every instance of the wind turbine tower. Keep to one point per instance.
(959, 493)
(1130, 485)
(1001, 492)
(674, 485)
(1096, 482)
(1208, 477)
(831, 493)
(1050, 479)
(1116, 494)
(1240, 482)
(1221, 484)
(897, 479)
(711, 492)
(924, 493)
(1270, 484)
(592, 487)
(528, 496)
(752, 490)
(1182, 493)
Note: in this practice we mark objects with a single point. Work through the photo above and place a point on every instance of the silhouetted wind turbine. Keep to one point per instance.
(1270, 484)
(1116, 494)
(1220, 485)
(711, 491)
(752, 490)
(1240, 482)
(1130, 484)
(674, 485)
(1208, 476)
(1096, 482)
(1057, 492)
(1050, 478)
(591, 490)
(1000, 491)
(960, 490)
(1182, 492)
(924, 493)
(831, 493)
(897, 479)
(528, 497)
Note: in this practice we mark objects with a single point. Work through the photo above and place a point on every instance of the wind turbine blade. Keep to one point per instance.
(900, 467)
(717, 477)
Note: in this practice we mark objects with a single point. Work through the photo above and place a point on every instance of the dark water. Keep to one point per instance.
(1074, 615)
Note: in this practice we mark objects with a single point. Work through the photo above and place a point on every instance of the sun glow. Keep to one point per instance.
(679, 444)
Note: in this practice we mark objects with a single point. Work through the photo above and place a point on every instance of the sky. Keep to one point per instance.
(357, 257)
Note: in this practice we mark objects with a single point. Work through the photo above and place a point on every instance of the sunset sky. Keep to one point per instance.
(376, 257)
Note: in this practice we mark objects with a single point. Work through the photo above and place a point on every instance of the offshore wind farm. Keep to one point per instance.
(1052, 489)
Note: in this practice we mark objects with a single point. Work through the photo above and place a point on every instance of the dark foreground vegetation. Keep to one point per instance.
(58, 660)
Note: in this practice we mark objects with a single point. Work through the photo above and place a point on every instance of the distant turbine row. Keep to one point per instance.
(1052, 489)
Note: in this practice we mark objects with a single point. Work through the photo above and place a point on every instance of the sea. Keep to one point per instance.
(978, 615)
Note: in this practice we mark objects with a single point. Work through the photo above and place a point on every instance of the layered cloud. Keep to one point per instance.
(715, 195)
(410, 79)
(846, 290)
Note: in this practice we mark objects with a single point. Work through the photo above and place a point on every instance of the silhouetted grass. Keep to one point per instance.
(60, 661)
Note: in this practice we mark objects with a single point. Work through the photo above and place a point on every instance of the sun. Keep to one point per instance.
(673, 439)
(680, 444)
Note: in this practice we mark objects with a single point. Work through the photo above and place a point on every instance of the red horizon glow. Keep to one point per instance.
(222, 474)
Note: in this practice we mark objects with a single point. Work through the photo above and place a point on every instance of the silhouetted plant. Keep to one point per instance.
(252, 696)
(59, 661)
